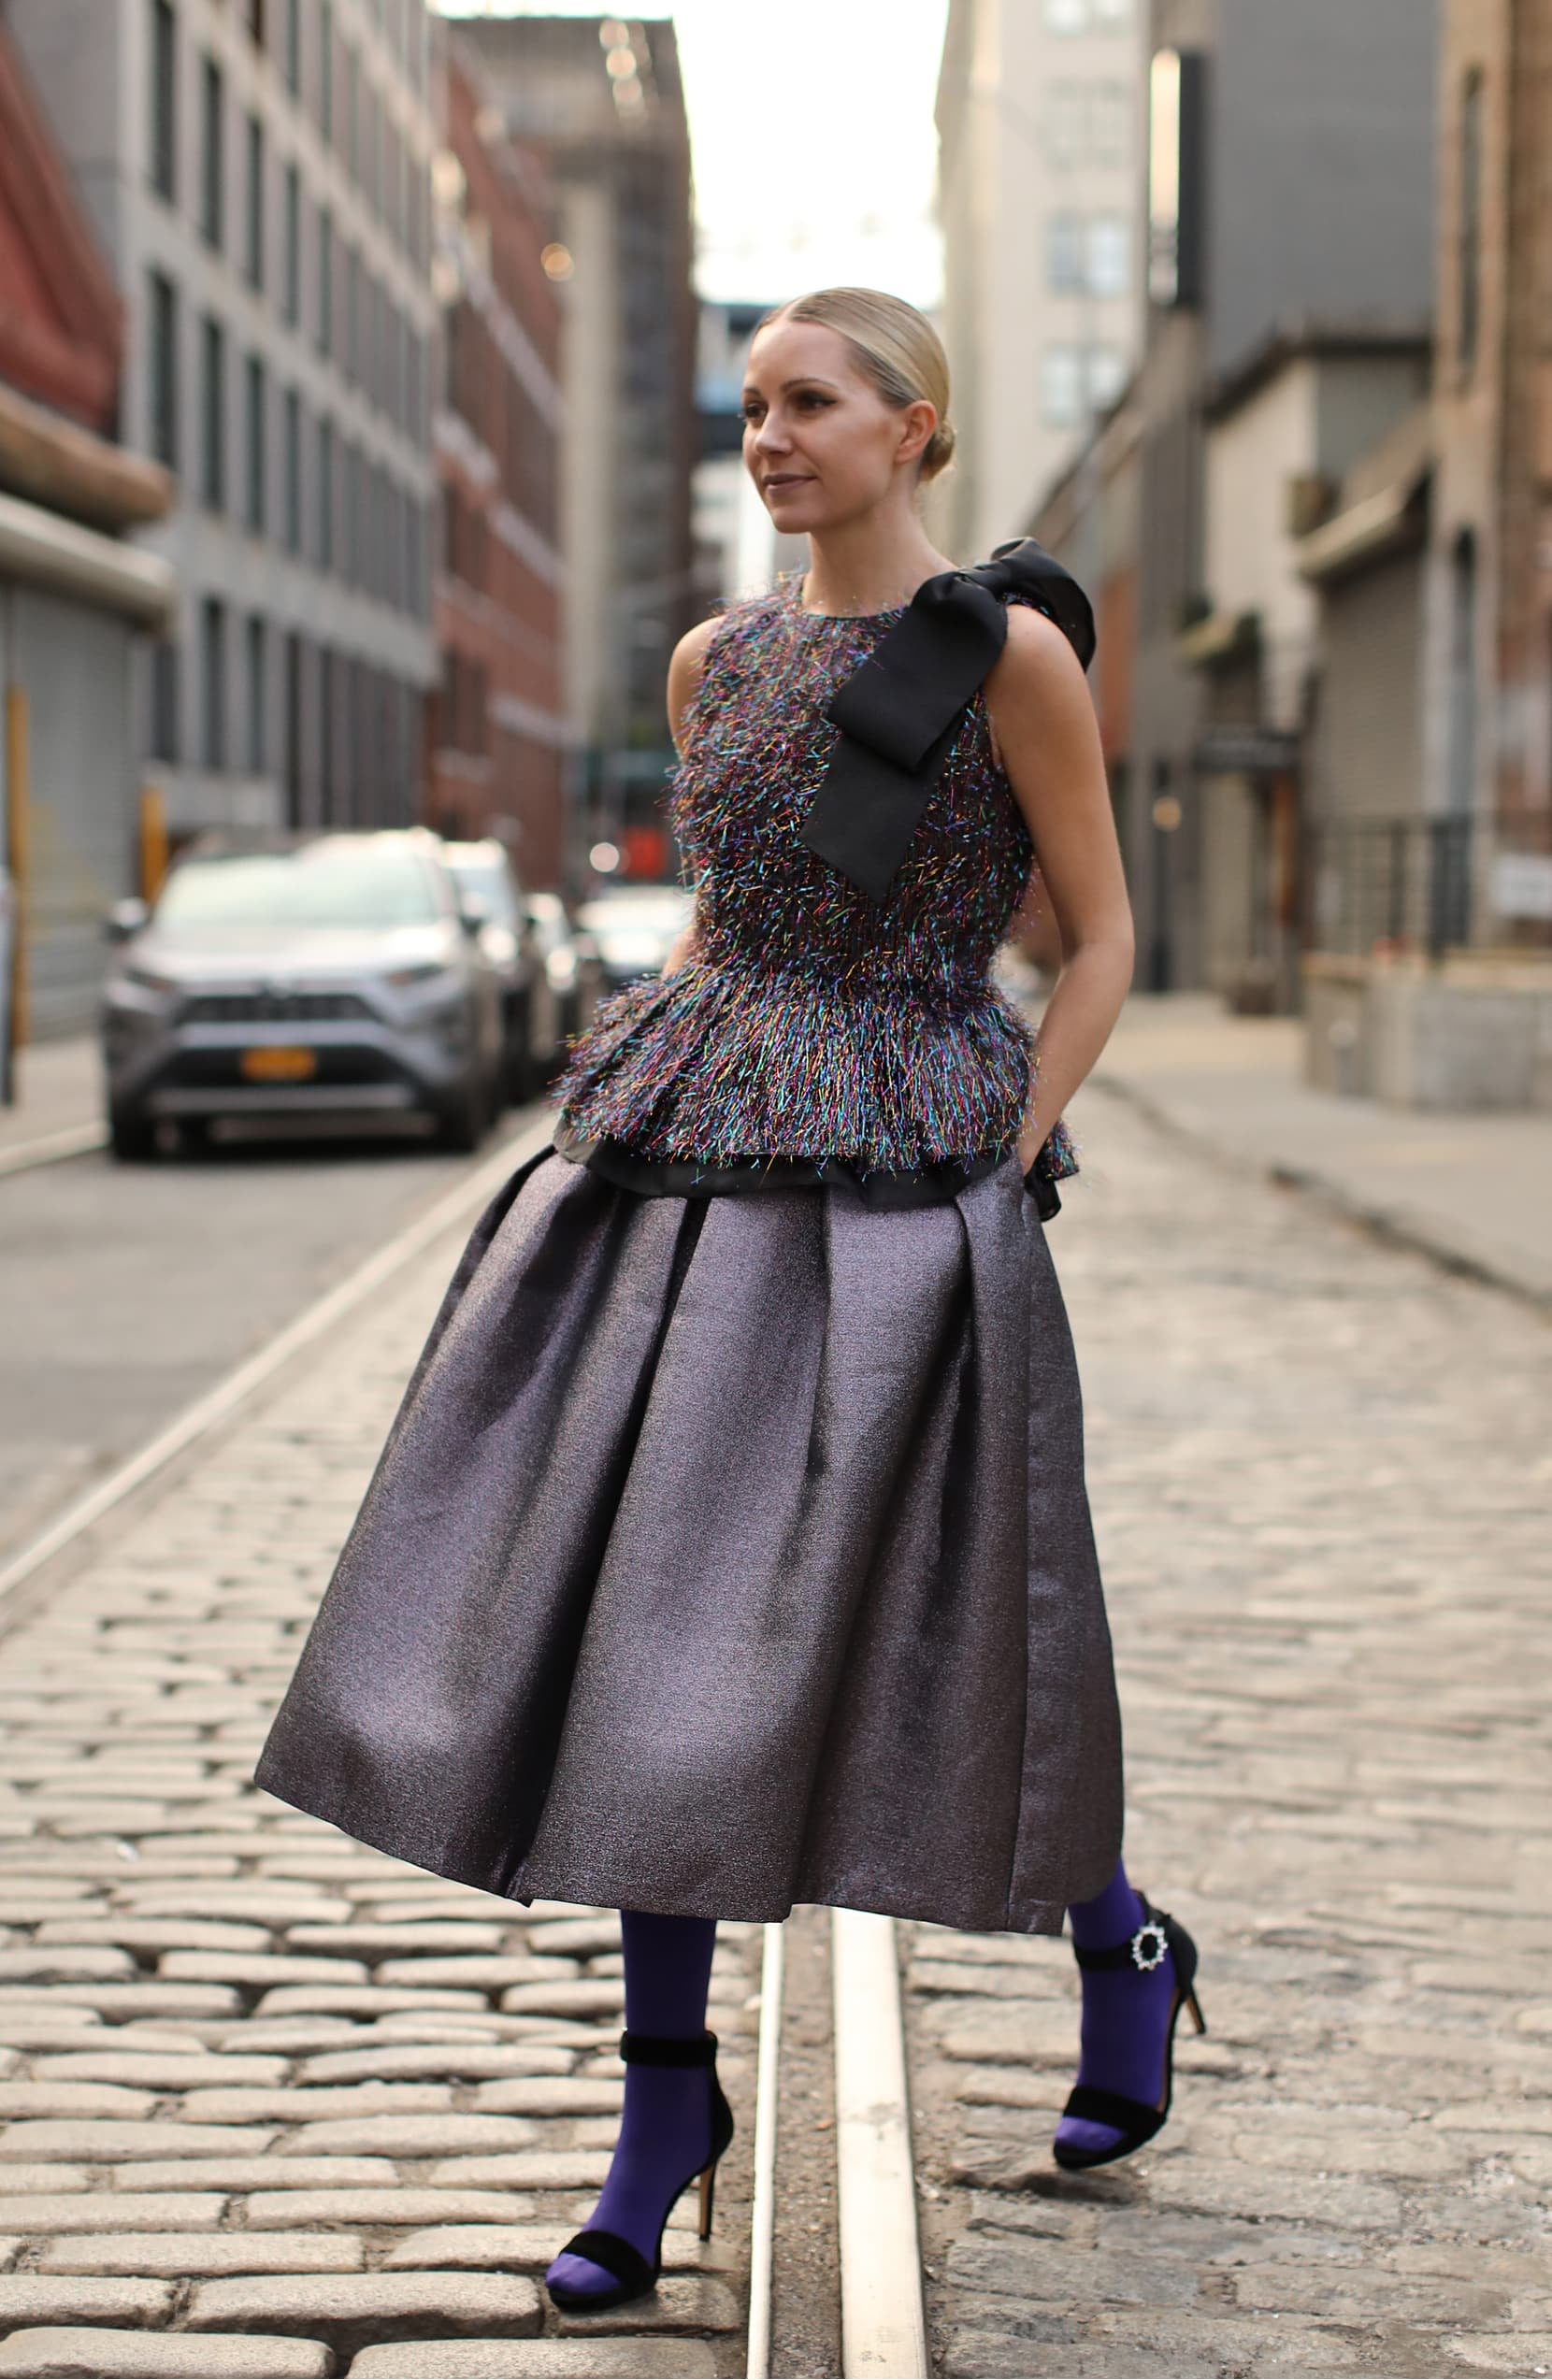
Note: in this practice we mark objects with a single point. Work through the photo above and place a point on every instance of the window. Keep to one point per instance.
(349, 110)
(1065, 16)
(325, 69)
(1066, 122)
(293, 245)
(213, 471)
(1107, 375)
(257, 440)
(326, 494)
(162, 361)
(1065, 262)
(1061, 387)
(293, 45)
(213, 661)
(326, 279)
(1109, 256)
(258, 695)
(1469, 299)
(293, 471)
(254, 239)
(166, 741)
(254, 13)
(349, 551)
(352, 313)
(1110, 123)
(293, 730)
(164, 100)
(212, 180)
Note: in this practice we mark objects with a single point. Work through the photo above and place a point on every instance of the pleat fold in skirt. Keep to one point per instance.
(729, 1552)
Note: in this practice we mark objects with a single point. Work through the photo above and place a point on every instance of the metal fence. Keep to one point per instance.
(1428, 883)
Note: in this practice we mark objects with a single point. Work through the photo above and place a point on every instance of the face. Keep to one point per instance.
(819, 442)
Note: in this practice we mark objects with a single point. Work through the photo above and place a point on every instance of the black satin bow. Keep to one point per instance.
(900, 711)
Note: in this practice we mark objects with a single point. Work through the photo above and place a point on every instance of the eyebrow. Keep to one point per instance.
(804, 380)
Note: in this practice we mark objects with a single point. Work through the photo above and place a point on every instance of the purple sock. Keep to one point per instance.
(666, 2128)
(1125, 2013)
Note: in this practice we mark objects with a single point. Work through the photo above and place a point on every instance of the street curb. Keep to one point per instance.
(53, 1148)
(461, 1203)
(1398, 1230)
(882, 2318)
(762, 2224)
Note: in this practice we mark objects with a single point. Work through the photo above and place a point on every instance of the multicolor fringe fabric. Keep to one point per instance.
(809, 1022)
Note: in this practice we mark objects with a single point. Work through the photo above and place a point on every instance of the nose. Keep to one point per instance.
(770, 439)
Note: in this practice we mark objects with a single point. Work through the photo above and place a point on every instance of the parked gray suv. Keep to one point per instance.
(330, 974)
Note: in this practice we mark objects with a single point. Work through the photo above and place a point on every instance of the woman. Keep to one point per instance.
(731, 1546)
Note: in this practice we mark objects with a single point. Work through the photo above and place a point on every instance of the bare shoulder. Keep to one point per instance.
(1036, 665)
(690, 652)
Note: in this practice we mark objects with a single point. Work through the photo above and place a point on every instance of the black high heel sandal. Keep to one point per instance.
(1156, 1937)
(616, 2254)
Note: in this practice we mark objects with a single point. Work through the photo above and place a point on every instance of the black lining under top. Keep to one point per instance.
(885, 1190)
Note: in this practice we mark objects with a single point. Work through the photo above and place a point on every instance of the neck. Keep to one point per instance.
(868, 564)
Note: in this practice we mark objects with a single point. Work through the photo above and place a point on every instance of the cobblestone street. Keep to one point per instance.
(253, 2079)
(272, 2104)
(1319, 1472)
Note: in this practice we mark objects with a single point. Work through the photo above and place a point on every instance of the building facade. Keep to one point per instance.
(259, 177)
(1288, 181)
(601, 102)
(497, 728)
(77, 601)
(1039, 136)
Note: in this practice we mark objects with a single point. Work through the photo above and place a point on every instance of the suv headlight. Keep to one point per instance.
(406, 979)
(145, 979)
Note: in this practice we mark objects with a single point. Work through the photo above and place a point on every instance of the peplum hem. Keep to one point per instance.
(716, 1061)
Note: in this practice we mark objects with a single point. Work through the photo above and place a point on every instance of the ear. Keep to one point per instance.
(917, 423)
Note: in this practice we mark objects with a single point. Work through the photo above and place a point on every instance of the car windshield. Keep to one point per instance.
(326, 883)
(490, 882)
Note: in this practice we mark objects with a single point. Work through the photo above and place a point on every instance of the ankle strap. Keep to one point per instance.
(1144, 1950)
(668, 2049)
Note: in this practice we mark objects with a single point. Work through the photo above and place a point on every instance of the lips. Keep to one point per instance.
(787, 480)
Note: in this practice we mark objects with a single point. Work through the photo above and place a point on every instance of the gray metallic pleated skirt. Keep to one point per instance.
(728, 1553)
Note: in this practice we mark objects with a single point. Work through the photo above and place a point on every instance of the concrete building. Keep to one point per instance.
(259, 179)
(602, 104)
(1040, 121)
(1288, 183)
(738, 550)
(75, 599)
(1282, 432)
(1431, 983)
(498, 731)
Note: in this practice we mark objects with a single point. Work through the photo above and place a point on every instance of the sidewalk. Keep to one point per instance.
(57, 1092)
(1474, 1190)
(284, 2104)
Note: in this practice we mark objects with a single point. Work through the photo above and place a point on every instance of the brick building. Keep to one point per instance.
(498, 731)
(1489, 724)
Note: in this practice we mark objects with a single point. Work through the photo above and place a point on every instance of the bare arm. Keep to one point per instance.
(1042, 718)
(683, 685)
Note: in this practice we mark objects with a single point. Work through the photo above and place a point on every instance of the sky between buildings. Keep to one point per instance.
(813, 136)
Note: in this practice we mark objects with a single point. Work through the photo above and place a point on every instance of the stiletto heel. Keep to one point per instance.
(1158, 1936)
(609, 2249)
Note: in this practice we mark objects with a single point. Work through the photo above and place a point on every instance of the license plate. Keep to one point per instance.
(279, 1066)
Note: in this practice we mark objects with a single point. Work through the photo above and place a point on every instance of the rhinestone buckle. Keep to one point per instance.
(1149, 1945)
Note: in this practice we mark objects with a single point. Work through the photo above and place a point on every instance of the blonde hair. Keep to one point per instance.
(895, 345)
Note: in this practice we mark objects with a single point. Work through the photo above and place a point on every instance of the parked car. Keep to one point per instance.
(635, 926)
(489, 890)
(332, 974)
(570, 984)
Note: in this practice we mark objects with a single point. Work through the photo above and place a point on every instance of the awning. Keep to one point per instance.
(1388, 522)
(45, 550)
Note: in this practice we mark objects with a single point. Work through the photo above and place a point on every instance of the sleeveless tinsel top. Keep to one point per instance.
(813, 1033)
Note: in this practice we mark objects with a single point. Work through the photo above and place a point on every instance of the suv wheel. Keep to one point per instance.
(131, 1140)
(465, 1119)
